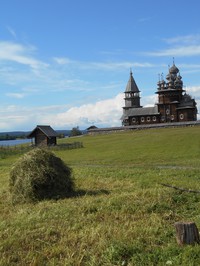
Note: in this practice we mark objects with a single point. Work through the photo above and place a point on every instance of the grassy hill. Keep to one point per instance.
(121, 215)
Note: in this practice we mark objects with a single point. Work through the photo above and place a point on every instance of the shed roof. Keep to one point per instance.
(91, 127)
(47, 130)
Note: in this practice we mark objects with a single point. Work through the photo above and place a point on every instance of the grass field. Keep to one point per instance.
(121, 214)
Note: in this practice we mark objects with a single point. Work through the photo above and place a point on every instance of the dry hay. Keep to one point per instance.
(39, 175)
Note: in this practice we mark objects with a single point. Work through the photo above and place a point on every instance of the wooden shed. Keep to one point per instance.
(43, 135)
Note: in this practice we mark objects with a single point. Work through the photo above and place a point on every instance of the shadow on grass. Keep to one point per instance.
(81, 192)
(74, 194)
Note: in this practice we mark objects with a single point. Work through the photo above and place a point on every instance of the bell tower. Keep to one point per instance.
(132, 94)
(132, 100)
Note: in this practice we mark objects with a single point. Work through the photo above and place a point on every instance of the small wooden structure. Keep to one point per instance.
(44, 136)
(91, 127)
(187, 233)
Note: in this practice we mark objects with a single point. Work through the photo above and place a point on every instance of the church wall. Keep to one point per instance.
(186, 115)
(168, 113)
(146, 119)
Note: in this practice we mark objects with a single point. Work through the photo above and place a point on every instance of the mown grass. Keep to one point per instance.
(120, 214)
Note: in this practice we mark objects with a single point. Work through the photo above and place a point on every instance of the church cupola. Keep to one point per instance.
(162, 82)
(178, 82)
(173, 70)
(170, 83)
(173, 78)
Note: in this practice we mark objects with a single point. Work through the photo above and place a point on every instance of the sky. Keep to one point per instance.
(66, 63)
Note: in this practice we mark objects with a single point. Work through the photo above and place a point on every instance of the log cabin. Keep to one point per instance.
(43, 135)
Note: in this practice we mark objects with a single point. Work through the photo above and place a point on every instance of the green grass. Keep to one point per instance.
(121, 215)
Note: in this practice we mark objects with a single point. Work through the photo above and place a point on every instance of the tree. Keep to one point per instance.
(75, 132)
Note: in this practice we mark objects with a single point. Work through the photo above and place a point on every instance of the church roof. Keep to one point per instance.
(187, 102)
(142, 111)
(131, 85)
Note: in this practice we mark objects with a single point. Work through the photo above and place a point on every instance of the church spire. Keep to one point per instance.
(131, 85)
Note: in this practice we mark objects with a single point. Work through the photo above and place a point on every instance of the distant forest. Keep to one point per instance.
(23, 134)
(7, 136)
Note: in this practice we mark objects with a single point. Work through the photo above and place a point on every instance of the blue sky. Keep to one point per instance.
(66, 63)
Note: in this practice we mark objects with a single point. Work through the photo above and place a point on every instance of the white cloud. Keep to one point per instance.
(62, 74)
(119, 65)
(13, 118)
(187, 39)
(104, 113)
(21, 54)
(101, 65)
(187, 45)
(62, 60)
(15, 95)
(193, 91)
(191, 50)
(149, 100)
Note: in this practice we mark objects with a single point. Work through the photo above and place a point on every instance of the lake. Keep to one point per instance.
(14, 142)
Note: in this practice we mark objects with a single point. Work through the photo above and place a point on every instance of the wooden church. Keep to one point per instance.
(174, 104)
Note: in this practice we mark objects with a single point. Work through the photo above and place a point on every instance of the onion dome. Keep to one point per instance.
(179, 76)
(159, 84)
(173, 69)
(170, 83)
(162, 83)
(178, 81)
(168, 76)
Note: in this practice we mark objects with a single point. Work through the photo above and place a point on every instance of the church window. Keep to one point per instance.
(167, 111)
(163, 118)
(154, 118)
(181, 116)
(148, 119)
(142, 119)
(133, 120)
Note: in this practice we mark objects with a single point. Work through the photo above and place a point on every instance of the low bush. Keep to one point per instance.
(39, 175)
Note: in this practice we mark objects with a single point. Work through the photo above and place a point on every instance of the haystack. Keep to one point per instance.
(39, 175)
